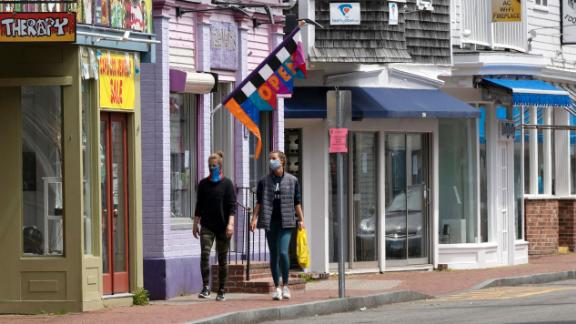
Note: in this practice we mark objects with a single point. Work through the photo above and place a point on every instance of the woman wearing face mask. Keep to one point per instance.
(215, 209)
(278, 201)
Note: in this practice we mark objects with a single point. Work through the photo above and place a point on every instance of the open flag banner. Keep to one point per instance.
(275, 75)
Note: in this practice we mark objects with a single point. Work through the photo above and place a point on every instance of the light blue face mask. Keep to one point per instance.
(275, 165)
(215, 174)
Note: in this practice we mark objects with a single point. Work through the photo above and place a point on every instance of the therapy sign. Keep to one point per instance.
(116, 75)
(37, 27)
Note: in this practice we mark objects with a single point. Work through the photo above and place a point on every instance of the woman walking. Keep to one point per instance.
(215, 210)
(278, 210)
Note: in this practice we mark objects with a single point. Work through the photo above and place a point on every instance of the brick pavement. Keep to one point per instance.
(190, 308)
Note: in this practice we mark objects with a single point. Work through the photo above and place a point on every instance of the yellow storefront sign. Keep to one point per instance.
(506, 10)
(116, 80)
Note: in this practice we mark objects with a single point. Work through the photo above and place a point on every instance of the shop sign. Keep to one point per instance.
(338, 138)
(392, 13)
(223, 46)
(506, 10)
(568, 11)
(507, 129)
(116, 78)
(27, 27)
(346, 13)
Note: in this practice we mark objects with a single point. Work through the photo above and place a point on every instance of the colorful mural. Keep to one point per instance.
(121, 14)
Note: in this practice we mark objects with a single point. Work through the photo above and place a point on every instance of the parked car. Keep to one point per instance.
(396, 233)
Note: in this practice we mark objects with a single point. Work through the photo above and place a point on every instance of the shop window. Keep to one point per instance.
(458, 186)
(259, 168)
(538, 151)
(183, 158)
(543, 3)
(483, 176)
(223, 138)
(86, 168)
(573, 156)
(519, 179)
(43, 201)
(293, 150)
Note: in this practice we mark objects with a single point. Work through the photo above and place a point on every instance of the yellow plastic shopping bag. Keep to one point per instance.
(302, 251)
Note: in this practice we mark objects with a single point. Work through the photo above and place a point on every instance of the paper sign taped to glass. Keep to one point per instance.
(116, 80)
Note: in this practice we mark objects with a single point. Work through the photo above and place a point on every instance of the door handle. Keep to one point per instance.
(115, 212)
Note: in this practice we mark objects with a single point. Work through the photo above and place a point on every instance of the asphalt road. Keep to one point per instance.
(548, 303)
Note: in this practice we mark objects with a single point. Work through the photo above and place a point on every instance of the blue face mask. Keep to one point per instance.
(275, 165)
(215, 174)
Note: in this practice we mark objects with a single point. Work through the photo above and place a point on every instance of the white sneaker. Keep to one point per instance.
(277, 294)
(286, 292)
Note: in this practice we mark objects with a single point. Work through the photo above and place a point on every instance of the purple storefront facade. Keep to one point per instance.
(202, 56)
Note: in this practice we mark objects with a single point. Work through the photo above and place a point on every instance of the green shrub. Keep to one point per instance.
(141, 297)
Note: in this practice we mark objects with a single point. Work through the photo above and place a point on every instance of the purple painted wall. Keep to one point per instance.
(171, 254)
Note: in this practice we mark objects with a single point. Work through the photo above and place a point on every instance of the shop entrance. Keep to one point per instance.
(407, 205)
(361, 190)
(114, 191)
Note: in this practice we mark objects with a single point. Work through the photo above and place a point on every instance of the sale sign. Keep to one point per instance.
(37, 27)
(116, 79)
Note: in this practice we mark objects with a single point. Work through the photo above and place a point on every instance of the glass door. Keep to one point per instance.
(407, 217)
(114, 185)
(363, 203)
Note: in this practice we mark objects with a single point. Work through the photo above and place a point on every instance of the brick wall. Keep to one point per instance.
(567, 223)
(542, 226)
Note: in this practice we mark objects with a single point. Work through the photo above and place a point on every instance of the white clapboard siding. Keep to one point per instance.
(477, 18)
(182, 34)
(258, 45)
(547, 41)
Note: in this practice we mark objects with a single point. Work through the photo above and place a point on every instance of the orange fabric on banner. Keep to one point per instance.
(237, 111)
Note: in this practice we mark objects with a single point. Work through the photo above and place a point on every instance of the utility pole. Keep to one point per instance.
(339, 116)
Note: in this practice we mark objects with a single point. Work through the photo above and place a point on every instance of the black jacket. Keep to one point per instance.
(216, 202)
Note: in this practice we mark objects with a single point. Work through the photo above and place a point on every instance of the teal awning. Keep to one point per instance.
(532, 92)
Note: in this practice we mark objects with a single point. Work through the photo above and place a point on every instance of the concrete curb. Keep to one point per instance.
(324, 307)
(527, 279)
(349, 304)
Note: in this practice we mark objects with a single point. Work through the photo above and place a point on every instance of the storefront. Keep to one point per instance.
(403, 147)
(204, 55)
(70, 210)
(525, 155)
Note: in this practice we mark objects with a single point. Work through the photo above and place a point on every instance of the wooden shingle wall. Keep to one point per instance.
(420, 37)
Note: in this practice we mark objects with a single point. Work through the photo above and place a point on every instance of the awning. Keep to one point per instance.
(192, 82)
(531, 92)
(310, 102)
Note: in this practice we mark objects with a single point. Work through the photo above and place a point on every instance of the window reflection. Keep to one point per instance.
(43, 208)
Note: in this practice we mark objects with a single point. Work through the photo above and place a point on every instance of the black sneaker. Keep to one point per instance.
(205, 293)
(220, 296)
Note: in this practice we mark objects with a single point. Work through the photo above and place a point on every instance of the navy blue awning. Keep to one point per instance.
(532, 92)
(310, 102)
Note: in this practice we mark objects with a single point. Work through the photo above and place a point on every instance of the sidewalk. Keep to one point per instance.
(189, 308)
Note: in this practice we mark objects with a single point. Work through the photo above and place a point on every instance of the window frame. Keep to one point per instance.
(190, 103)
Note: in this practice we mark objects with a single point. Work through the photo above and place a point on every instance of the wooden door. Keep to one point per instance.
(114, 190)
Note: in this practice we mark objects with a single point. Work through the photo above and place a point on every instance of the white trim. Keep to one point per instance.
(538, 91)
(548, 197)
(541, 8)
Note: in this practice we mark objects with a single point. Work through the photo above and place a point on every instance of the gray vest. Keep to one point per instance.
(287, 210)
